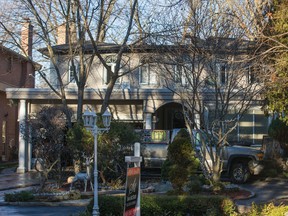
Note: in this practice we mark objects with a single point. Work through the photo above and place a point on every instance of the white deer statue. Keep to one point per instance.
(83, 176)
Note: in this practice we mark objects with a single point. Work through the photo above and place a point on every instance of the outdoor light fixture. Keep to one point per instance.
(90, 120)
(106, 118)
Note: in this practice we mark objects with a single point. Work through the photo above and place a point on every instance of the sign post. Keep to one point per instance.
(132, 197)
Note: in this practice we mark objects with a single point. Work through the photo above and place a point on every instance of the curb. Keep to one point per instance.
(78, 203)
(249, 197)
(244, 208)
(278, 198)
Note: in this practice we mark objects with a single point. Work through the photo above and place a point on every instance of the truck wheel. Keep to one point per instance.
(240, 173)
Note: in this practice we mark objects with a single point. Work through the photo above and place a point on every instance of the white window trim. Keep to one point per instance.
(147, 66)
(105, 72)
(250, 74)
(70, 72)
(152, 78)
(111, 62)
(179, 76)
(219, 73)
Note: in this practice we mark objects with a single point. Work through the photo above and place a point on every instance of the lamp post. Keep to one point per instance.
(90, 123)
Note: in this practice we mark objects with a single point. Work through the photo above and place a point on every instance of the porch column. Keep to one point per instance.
(22, 143)
(197, 120)
(29, 153)
(148, 121)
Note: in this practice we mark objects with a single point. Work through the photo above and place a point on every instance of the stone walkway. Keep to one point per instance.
(9, 179)
(10, 182)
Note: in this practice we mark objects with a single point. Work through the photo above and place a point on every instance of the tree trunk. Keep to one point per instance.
(101, 174)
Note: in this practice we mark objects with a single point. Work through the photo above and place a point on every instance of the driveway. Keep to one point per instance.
(265, 191)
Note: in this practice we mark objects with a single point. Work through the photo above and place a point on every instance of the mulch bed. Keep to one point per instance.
(238, 194)
(234, 194)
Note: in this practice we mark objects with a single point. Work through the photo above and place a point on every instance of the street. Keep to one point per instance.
(40, 210)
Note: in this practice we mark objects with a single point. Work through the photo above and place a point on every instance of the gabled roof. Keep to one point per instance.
(4, 85)
(19, 56)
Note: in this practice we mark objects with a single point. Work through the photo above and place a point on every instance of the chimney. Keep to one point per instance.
(63, 34)
(27, 38)
(73, 32)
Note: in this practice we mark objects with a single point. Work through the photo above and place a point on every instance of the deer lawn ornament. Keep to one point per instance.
(85, 177)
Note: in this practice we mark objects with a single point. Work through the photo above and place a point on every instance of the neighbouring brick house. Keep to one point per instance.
(16, 71)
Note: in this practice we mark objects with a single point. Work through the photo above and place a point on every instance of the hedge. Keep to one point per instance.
(156, 205)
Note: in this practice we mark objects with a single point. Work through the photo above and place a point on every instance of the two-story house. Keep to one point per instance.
(16, 71)
(144, 97)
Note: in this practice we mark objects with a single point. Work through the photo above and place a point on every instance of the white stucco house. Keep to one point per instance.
(144, 97)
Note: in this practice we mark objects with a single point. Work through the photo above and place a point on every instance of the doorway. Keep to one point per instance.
(169, 116)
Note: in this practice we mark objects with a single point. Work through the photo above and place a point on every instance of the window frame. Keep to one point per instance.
(152, 78)
(147, 66)
(179, 74)
(71, 77)
(250, 74)
(222, 73)
(110, 62)
(9, 64)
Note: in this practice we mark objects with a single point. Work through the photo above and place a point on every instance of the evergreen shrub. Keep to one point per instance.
(181, 162)
(22, 196)
(155, 205)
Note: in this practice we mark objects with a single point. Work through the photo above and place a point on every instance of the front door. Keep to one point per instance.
(169, 116)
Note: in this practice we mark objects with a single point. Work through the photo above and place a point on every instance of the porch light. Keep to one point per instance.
(106, 117)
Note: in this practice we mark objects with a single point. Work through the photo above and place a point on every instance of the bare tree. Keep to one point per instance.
(96, 21)
(47, 136)
(213, 73)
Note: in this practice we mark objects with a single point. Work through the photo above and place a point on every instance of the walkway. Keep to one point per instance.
(13, 182)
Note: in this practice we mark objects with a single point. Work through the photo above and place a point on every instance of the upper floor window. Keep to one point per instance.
(111, 64)
(250, 74)
(147, 75)
(181, 73)
(177, 73)
(74, 69)
(222, 73)
(255, 73)
(9, 64)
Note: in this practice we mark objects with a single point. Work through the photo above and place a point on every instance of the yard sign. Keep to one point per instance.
(132, 192)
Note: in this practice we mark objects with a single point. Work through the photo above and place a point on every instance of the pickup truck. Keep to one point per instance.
(240, 160)
(154, 145)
